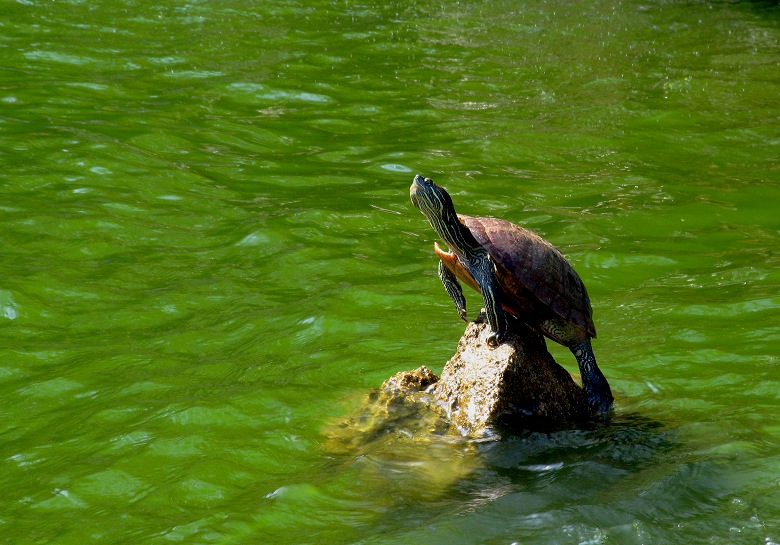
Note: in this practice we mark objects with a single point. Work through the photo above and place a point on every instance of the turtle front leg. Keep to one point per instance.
(484, 274)
(453, 289)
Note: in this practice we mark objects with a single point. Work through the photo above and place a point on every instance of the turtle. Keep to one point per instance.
(519, 274)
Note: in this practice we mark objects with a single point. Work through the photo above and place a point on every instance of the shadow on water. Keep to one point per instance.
(626, 440)
(575, 465)
(766, 7)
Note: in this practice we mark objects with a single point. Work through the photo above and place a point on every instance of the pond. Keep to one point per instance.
(209, 257)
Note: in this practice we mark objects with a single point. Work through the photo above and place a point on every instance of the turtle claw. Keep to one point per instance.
(495, 339)
(463, 315)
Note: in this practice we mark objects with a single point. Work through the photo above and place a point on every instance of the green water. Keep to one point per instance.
(208, 254)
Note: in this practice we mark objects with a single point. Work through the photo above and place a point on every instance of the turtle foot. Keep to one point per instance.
(598, 393)
(599, 404)
(495, 339)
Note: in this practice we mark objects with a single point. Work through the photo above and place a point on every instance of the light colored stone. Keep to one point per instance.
(517, 384)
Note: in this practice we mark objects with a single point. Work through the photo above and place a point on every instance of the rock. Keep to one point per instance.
(410, 381)
(517, 384)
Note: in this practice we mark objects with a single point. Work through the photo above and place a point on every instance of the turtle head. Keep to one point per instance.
(435, 203)
(432, 200)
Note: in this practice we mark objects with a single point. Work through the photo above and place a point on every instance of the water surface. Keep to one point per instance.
(209, 255)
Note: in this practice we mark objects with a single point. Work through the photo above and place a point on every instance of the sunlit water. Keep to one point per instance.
(209, 255)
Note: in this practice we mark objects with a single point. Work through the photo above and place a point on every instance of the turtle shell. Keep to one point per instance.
(533, 274)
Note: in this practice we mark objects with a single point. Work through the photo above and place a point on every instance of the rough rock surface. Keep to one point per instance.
(518, 383)
(410, 381)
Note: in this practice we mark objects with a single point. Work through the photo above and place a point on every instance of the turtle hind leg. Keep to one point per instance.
(594, 383)
(453, 289)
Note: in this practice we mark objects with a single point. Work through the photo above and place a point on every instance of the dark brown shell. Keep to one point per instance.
(532, 272)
